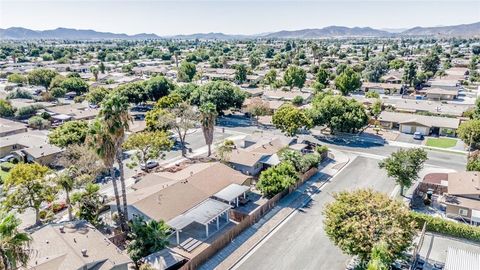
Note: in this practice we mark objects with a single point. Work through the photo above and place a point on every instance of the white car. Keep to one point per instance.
(149, 165)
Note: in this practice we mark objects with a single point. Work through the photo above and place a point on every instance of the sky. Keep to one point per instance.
(168, 17)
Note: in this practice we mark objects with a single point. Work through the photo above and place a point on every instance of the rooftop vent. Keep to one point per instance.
(84, 252)
(62, 229)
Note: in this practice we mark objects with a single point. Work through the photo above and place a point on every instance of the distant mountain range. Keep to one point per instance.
(463, 30)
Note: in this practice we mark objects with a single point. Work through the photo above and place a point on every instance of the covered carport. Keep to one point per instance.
(232, 193)
(204, 213)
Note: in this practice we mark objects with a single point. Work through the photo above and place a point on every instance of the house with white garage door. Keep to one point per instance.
(426, 125)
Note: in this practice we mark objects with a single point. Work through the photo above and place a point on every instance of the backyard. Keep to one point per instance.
(441, 142)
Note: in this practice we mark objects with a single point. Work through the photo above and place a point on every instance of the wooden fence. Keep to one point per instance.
(247, 221)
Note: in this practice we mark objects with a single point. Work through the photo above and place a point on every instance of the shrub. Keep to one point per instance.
(20, 94)
(27, 111)
(321, 149)
(450, 228)
(37, 122)
(6, 109)
(309, 161)
(6, 166)
(297, 101)
(276, 179)
(372, 95)
(58, 92)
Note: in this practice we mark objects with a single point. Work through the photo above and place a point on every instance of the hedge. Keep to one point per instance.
(450, 228)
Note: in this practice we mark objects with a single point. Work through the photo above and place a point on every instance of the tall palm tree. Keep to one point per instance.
(208, 114)
(14, 245)
(114, 113)
(99, 140)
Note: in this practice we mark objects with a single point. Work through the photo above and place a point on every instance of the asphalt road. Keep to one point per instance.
(301, 243)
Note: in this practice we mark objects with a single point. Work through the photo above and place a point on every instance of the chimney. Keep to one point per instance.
(84, 252)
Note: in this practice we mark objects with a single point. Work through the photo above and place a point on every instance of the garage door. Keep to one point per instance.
(406, 129)
(423, 130)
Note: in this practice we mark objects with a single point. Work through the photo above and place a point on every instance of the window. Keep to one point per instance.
(463, 212)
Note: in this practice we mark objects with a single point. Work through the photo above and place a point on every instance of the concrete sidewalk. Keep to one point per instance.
(230, 255)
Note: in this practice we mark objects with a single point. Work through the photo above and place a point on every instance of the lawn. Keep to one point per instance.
(441, 142)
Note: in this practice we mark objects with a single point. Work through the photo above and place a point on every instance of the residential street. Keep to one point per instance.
(300, 243)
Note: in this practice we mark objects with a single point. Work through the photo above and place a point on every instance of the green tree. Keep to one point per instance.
(295, 77)
(186, 71)
(14, 244)
(270, 77)
(180, 119)
(404, 166)
(6, 108)
(358, 220)
(224, 150)
(221, 93)
(375, 69)
(241, 73)
(41, 76)
(348, 81)
(338, 113)
(290, 120)
(71, 132)
(27, 186)
(169, 102)
(74, 84)
(96, 95)
(208, 115)
(94, 71)
(276, 179)
(410, 74)
(66, 182)
(430, 63)
(88, 203)
(148, 145)
(158, 87)
(16, 78)
(254, 61)
(469, 132)
(146, 237)
(322, 76)
(376, 108)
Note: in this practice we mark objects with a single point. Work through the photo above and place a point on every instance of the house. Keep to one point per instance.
(436, 93)
(286, 95)
(463, 196)
(256, 153)
(444, 84)
(184, 198)
(31, 146)
(381, 88)
(9, 127)
(426, 125)
(76, 111)
(72, 246)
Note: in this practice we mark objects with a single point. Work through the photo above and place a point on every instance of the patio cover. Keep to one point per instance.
(270, 160)
(458, 259)
(231, 192)
(202, 213)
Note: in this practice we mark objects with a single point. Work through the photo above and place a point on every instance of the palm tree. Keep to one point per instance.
(208, 114)
(14, 245)
(66, 182)
(99, 140)
(114, 113)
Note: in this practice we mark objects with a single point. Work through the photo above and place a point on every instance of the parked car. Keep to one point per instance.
(149, 165)
(8, 158)
(418, 136)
